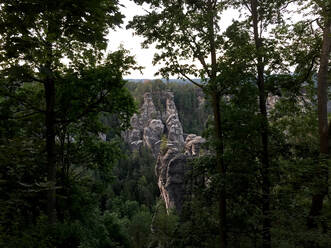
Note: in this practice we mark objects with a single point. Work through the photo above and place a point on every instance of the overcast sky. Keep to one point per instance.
(132, 42)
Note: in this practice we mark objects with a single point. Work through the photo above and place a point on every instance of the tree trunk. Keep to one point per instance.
(266, 224)
(50, 149)
(218, 129)
(320, 186)
(221, 168)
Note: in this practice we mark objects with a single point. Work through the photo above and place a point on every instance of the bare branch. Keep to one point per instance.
(247, 6)
(193, 82)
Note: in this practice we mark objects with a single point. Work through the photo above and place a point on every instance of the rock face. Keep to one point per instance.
(171, 169)
(193, 145)
(146, 130)
(148, 127)
(175, 129)
(152, 135)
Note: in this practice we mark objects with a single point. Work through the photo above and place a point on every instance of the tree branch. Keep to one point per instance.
(193, 82)
(89, 108)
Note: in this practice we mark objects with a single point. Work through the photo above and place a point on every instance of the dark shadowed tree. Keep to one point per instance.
(41, 41)
(262, 15)
(320, 190)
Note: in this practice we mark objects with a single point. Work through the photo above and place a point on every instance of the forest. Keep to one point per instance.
(233, 152)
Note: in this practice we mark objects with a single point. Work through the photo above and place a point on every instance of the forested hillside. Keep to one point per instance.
(235, 154)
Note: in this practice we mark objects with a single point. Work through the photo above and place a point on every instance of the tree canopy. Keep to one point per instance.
(257, 91)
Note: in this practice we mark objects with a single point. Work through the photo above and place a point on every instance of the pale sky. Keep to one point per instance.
(131, 42)
(144, 57)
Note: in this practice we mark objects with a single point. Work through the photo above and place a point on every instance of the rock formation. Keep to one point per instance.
(171, 169)
(152, 135)
(145, 129)
(175, 129)
(148, 128)
(193, 144)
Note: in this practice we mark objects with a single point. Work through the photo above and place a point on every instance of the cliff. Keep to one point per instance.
(171, 169)
(148, 128)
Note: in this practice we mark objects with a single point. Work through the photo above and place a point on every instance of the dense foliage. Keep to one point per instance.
(68, 179)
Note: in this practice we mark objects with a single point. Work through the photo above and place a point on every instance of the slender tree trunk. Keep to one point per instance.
(50, 149)
(49, 86)
(221, 168)
(321, 187)
(218, 128)
(266, 224)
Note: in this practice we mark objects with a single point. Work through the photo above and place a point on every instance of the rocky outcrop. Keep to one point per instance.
(193, 144)
(152, 135)
(171, 169)
(175, 129)
(147, 111)
(148, 127)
